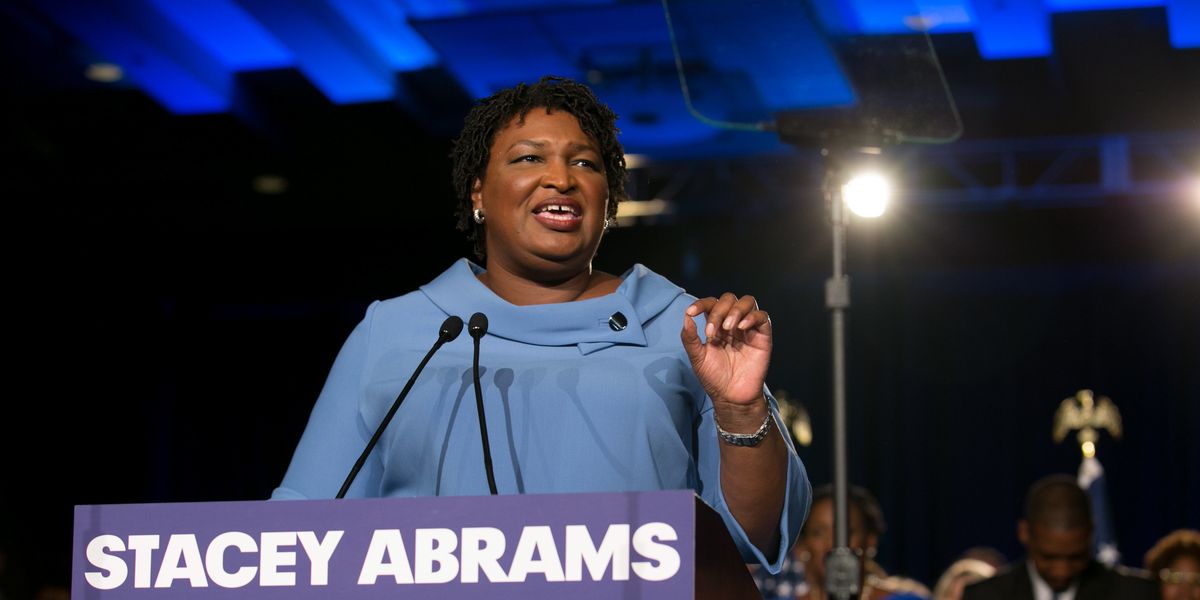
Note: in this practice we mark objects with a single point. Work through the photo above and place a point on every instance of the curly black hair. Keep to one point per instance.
(473, 147)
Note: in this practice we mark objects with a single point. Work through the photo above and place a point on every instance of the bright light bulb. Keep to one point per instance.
(867, 194)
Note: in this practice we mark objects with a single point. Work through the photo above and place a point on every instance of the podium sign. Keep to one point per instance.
(612, 545)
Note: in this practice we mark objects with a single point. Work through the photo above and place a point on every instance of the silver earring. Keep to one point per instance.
(478, 214)
(607, 222)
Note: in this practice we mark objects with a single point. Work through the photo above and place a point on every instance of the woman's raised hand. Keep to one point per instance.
(732, 361)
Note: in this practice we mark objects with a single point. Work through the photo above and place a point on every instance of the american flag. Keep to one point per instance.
(1104, 538)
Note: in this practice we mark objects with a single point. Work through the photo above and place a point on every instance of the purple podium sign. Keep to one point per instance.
(579, 546)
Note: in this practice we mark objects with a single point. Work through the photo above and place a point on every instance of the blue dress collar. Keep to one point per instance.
(642, 295)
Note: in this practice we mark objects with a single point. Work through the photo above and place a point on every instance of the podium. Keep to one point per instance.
(662, 545)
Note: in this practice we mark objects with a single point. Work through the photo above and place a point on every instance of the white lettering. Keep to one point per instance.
(181, 547)
(271, 558)
(386, 556)
(439, 556)
(117, 570)
(645, 543)
(536, 539)
(214, 559)
(435, 546)
(482, 548)
(319, 553)
(614, 549)
(142, 546)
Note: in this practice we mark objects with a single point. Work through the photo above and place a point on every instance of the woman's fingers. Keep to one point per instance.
(727, 315)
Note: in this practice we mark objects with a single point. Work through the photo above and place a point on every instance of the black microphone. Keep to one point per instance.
(477, 327)
(451, 327)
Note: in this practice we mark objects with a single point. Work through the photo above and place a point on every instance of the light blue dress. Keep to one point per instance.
(573, 404)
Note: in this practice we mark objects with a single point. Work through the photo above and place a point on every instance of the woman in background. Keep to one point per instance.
(866, 527)
(1175, 562)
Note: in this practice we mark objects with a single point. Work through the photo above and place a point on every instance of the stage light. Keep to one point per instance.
(644, 208)
(269, 184)
(867, 194)
(635, 161)
(104, 72)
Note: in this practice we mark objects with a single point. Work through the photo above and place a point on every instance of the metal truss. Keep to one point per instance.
(984, 174)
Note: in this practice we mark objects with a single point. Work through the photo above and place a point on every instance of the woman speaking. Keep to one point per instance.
(590, 382)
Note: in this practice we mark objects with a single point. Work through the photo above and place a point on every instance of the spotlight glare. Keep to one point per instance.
(867, 194)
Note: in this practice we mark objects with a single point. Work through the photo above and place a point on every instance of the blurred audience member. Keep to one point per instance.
(1057, 534)
(788, 584)
(866, 527)
(52, 592)
(962, 572)
(986, 554)
(1175, 561)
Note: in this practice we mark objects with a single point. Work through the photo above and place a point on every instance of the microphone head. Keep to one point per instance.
(451, 327)
(478, 325)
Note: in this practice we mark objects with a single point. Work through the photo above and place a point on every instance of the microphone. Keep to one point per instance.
(477, 327)
(451, 327)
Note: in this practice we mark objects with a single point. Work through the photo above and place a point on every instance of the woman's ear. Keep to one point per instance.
(477, 194)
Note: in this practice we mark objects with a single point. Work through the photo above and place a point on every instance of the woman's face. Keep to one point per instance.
(544, 195)
(1183, 591)
(817, 537)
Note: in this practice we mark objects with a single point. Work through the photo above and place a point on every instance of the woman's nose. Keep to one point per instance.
(557, 176)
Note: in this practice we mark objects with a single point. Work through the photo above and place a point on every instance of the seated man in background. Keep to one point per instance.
(1057, 534)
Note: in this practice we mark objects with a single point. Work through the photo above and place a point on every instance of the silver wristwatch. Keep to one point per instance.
(745, 439)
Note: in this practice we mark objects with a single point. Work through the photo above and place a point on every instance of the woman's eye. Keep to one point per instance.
(528, 158)
(587, 163)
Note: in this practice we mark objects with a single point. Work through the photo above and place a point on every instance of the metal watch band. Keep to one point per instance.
(745, 439)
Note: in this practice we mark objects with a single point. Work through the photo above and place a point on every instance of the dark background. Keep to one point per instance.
(172, 326)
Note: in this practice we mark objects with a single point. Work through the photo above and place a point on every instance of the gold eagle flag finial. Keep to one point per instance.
(1082, 412)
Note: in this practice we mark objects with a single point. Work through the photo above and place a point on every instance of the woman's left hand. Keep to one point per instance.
(732, 363)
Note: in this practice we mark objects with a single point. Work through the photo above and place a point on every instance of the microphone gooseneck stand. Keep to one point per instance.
(477, 327)
(450, 329)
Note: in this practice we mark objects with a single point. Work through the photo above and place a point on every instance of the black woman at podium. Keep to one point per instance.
(579, 380)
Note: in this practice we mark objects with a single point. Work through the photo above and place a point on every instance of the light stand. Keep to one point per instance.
(843, 569)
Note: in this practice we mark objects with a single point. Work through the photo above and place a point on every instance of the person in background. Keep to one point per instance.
(1057, 534)
(866, 527)
(788, 583)
(987, 554)
(959, 575)
(1175, 562)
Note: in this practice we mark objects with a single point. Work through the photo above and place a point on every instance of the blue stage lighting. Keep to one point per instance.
(223, 29)
(161, 76)
(384, 26)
